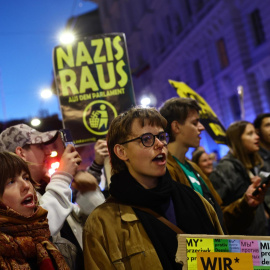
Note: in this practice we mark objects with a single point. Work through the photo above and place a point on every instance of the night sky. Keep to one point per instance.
(29, 31)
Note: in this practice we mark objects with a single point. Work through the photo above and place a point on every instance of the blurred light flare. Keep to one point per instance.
(54, 167)
(67, 37)
(54, 154)
(46, 93)
(35, 122)
(145, 101)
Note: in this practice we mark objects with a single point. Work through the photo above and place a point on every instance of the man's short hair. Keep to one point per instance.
(258, 121)
(120, 130)
(177, 109)
(21, 135)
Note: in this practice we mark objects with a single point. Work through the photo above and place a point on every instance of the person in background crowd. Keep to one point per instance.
(24, 230)
(203, 160)
(214, 155)
(235, 178)
(262, 127)
(86, 195)
(200, 148)
(55, 196)
(126, 231)
(28, 143)
(184, 129)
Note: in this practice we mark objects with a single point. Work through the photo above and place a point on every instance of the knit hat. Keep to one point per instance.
(20, 135)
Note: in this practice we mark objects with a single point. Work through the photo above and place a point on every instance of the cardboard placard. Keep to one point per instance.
(223, 252)
(94, 84)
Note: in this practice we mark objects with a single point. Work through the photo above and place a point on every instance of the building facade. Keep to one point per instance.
(214, 46)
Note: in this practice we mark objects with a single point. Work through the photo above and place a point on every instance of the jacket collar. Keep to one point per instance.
(127, 214)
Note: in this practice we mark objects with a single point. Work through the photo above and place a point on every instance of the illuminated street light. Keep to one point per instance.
(145, 101)
(35, 122)
(46, 93)
(67, 37)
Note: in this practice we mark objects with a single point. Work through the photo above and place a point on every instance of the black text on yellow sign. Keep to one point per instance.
(224, 261)
(105, 56)
(94, 84)
(207, 116)
(185, 91)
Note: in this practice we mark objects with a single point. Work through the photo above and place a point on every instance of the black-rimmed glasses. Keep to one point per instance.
(148, 139)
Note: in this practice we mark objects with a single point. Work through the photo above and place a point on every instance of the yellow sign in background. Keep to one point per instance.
(207, 116)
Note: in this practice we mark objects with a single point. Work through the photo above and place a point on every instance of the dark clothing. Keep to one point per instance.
(231, 180)
(190, 213)
(128, 191)
(119, 235)
(209, 193)
(67, 233)
(265, 155)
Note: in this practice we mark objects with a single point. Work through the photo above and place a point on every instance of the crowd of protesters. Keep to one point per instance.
(65, 221)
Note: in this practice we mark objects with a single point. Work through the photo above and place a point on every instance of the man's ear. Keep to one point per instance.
(20, 152)
(257, 130)
(120, 151)
(175, 127)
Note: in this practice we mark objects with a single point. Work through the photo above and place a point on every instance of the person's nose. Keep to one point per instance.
(201, 126)
(159, 143)
(25, 185)
(47, 151)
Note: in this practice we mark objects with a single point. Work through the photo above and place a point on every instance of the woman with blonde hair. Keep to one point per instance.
(236, 177)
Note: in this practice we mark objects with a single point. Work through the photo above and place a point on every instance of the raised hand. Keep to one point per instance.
(101, 151)
(70, 160)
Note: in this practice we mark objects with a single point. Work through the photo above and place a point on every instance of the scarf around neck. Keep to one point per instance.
(125, 188)
(191, 215)
(24, 241)
(189, 210)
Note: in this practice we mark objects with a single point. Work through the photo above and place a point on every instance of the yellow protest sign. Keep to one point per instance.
(223, 252)
(94, 84)
(208, 117)
(224, 261)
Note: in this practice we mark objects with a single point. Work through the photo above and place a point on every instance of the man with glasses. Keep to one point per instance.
(136, 227)
(184, 128)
